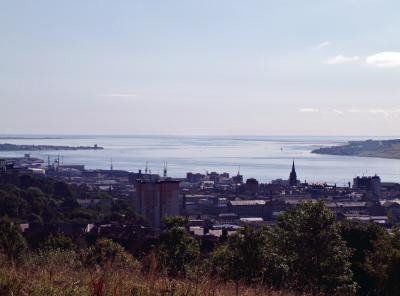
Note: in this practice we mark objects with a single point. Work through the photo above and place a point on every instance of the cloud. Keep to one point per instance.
(386, 59)
(384, 112)
(354, 111)
(340, 59)
(321, 45)
(378, 111)
(308, 110)
(337, 111)
(117, 95)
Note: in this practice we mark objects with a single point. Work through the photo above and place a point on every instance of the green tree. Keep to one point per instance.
(249, 255)
(317, 257)
(363, 239)
(12, 205)
(123, 210)
(392, 285)
(26, 181)
(382, 266)
(12, 243)
(177, 248)
(63, 190)
(36, 199)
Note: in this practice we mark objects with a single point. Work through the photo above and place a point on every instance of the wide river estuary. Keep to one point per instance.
(263, 158)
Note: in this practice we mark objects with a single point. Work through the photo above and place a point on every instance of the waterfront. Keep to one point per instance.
(261, 157)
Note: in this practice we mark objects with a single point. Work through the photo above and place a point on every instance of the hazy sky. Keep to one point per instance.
(200, 67)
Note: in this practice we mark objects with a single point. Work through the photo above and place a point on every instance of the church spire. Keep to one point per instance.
(293, 176)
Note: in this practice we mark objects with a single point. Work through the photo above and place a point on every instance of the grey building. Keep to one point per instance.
(157, 199)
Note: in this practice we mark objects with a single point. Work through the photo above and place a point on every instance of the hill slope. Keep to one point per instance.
(368, 148)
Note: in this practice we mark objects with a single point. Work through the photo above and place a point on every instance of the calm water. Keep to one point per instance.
(264, 158)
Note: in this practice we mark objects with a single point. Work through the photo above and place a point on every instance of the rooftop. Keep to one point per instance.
(247, 202)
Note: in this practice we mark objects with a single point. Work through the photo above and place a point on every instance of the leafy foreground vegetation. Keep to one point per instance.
(63, 273)
(307, 253)
(26, 199)
(105, 268)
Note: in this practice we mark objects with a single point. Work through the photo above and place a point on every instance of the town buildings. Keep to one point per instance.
(217, 203)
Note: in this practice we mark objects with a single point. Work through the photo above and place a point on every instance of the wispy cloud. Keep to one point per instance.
(118, 95)
(322, 45)
(385, 112)
(354, 111)
(340, 59)
(386, 59)
(337, 111)
(308, 110)
(373, 111)
(378, 111)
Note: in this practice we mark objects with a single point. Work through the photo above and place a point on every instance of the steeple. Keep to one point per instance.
(293, 176)
(165, 169)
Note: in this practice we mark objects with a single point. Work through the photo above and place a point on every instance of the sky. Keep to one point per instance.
(209, 67)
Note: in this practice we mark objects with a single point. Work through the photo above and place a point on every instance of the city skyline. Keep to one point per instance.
(199, 147)
(200, 68)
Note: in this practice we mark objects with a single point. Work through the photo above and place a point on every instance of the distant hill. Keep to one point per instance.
(368, 148)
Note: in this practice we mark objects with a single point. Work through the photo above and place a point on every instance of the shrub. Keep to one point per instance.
(105, 252)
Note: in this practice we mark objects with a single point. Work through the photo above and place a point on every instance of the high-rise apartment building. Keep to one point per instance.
(157, 199)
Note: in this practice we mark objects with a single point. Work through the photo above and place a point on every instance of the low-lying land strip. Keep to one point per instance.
(17, 147)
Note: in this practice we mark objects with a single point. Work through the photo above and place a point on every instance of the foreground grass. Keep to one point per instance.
(61, 273)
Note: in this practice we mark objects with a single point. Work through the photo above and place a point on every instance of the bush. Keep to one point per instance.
(106, 253)
(12, 243)
(177, 248)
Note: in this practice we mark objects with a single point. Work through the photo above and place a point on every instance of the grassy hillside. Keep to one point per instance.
(61, 273)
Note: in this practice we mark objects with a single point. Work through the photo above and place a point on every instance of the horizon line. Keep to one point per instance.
(187, 135)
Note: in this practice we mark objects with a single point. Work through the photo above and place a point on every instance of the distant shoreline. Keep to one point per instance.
(29, 138)
(389, 149)
(16, 147)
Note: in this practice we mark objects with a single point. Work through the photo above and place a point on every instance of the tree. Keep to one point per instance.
(11, 205)
(375, 257)
(317, 257)
(392, 285)
(26, 181)
(249, 255)
(70, 204)
(123, 210)
(377, 266)
(12, 242)
(363, 239)
(62, 190)
(176, 248)
(36, 199)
